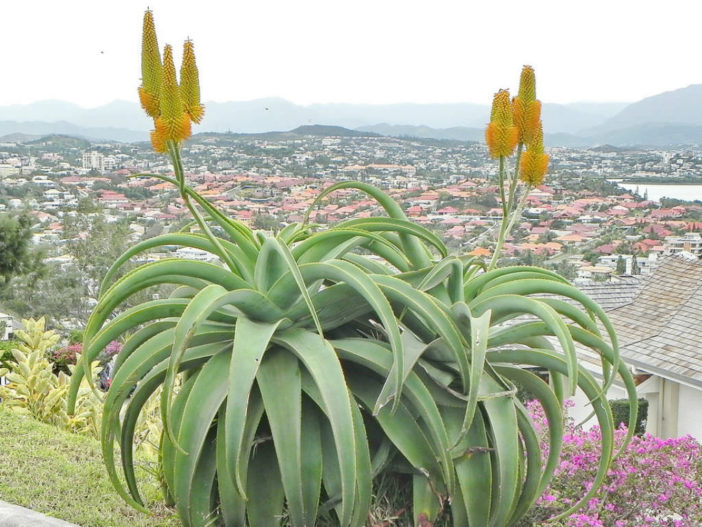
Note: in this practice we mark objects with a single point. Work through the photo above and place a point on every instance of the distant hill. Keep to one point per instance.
(60, 141)
(651, 134)
(328, 130)
(670, 118)
(18, 138)
(459, 133)
(117, 114)
(570, 118)
(263, 115)
(683, 106)
(315, 129)
(42, 128)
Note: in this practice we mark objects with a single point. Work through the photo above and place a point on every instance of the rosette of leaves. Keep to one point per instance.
(314, 360)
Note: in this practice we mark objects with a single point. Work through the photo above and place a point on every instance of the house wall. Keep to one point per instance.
(582, 409)
(673, 408)
(689, 421)
(9, 328)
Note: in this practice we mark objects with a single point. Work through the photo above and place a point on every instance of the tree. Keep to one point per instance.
(87, 205)
(566, 269)
(635, 269)
(621, 265)
(16, 254)
(591, 257)
(59, 294)
(266, 222)
(94, 243)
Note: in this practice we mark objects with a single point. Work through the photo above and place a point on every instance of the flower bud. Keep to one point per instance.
(525, 106)
(534, 162)
(150, 68)
(501, 135)
(173, 124)
(190, 84)
(527, 117)
(527, 85)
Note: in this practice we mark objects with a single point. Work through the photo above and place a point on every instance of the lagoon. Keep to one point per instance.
(658, 191)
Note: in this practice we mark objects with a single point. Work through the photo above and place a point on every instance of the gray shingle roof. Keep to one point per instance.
(660, 330)
(615, 293)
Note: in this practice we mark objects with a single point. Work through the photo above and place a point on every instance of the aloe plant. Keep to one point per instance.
(307, 363)
(322, 358)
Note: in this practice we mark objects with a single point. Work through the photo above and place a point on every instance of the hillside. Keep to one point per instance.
(683, 106)
(670, 118)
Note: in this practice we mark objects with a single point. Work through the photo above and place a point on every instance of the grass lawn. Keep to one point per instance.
(62, 475)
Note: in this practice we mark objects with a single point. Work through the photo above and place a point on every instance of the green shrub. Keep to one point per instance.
(36, 389)
(6, 352)
(621, 409)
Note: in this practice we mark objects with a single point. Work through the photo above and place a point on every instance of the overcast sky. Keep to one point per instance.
(360, 51)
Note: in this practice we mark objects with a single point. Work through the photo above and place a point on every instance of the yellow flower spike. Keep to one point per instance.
(534, 163)
(150, 68)
(526, 108)
(173, 124)
(190, 84)
(501, 111)
(501, 135)
(518, 112)
(527, 85)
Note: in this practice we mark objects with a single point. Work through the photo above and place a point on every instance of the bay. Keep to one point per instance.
(658, 191)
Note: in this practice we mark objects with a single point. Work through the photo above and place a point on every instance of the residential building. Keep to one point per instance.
(658, 322)
(691, 242)
(94, 160)
(7, 326)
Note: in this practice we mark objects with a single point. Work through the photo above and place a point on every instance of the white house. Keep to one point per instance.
(658, 322)
(7, 325)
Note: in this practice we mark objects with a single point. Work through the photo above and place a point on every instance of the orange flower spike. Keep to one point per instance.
(158, 142)
(173, 124)
(534, 163)
(501, 135)
(190, 84)
(150, 68)
(531, 125)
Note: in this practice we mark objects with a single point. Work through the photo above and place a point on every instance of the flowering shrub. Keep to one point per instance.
(653, 482)
(38, 389)
(62, 357)
(113, 348)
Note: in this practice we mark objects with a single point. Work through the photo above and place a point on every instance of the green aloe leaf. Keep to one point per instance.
(265, 490)
(320, 360)
(251, 340)
(196, 241)
(199, 412)
(416, 252)
(278, 379)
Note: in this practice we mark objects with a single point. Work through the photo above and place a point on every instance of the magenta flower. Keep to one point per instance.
(653, 483)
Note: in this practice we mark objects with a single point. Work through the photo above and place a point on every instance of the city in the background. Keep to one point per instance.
(579, 223)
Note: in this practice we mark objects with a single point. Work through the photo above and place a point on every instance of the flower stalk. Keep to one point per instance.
(516, 123)
(173, 107)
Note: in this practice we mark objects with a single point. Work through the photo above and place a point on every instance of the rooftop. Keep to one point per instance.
(660, 330)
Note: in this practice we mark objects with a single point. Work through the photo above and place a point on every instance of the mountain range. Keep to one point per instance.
(670, 118)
